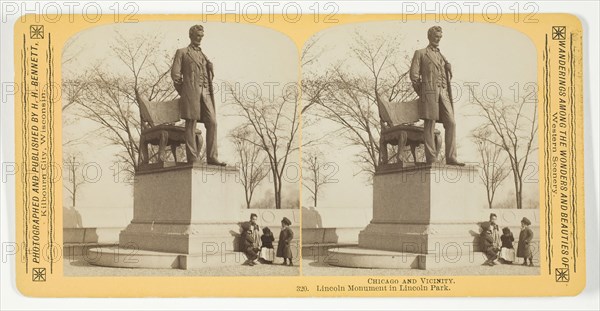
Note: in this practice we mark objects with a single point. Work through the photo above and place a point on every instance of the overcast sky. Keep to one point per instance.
(478, 52)
(246, 54)
(483, 53)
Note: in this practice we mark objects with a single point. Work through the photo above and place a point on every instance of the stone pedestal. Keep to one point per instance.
(182, 216)
(184, 209)
(424, 213)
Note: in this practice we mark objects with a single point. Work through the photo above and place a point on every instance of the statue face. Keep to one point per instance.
(196, 37)
(435, 38)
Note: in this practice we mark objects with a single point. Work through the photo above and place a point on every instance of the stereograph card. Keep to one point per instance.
(357, 155)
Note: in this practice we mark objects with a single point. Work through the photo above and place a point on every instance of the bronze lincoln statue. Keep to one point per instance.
(430, 74)
(192, 75)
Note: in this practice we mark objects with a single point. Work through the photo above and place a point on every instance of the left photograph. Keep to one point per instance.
(180, 150)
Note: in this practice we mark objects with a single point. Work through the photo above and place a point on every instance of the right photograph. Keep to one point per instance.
(423, 155)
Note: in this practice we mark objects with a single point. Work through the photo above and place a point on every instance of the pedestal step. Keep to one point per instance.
(181, 238)
(421, 239)
(356, 257)
(128, 258)
(317, 250)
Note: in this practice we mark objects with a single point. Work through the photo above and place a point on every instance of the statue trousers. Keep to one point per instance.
(209, 119)
(446, 116)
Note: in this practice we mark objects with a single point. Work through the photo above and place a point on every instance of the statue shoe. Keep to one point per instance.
(191, 159)
(454, 162)
(216, 162)
(431, 162)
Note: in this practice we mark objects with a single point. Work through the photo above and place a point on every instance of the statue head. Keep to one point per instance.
(196, 34)
(434, 34)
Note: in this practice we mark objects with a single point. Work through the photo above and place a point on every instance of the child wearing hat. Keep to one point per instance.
(285, 238)
(524, 248)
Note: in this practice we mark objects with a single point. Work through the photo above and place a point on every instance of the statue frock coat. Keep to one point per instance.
(426, 73)
(194, 85)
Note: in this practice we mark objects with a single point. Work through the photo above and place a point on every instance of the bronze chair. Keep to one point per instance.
(158, 129)
(398, 129)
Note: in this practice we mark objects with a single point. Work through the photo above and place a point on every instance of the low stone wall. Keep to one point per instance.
(333, 225)
(326, 226)
(89, 225)
(92, 225)
(102, 225)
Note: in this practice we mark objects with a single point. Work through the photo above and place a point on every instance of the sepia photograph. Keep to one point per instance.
(181, 140)
(430, 165)
(304, 153)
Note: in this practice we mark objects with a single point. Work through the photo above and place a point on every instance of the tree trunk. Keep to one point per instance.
(74, 194)
(277, 190)
(73, 198)
(248, 201)
(519, 192)
(278, 199)
(488, 190)
(316, 185)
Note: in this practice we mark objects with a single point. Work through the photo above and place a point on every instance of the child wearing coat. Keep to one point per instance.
(507, 251)
(524, 247)
(267, 253)
(285, 238)
(487, 243)
(248, 244)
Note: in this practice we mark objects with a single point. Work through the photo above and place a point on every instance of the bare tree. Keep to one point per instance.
(314, 175)
(72, 183)
(513, 129)
(70, 54)
(72, 91)
(346, 95)
(275, 124)
(106, 95)
(105, 103)
(493, 170)
(252, 163)
(309, 54)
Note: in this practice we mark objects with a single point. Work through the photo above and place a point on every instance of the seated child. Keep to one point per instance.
(487, 244)
(267, 253)
(248, 244)
(507, 251)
